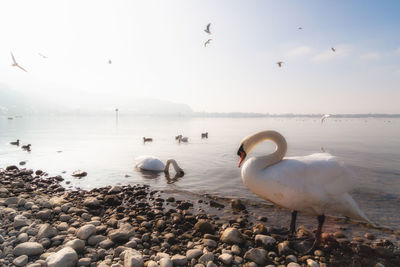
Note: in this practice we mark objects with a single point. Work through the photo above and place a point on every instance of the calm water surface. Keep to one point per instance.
(106, 150)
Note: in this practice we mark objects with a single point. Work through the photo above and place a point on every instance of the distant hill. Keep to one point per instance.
(13, 102)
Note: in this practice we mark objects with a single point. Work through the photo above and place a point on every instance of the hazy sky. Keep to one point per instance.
(157, 51)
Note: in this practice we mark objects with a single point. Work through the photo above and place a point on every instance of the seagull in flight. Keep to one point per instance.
(300, 28)
(207, 30)
(333, 49)
(43, 56)
(15, 64)
(109, 61)
(279, 63)
(208, 41)
(324, 117)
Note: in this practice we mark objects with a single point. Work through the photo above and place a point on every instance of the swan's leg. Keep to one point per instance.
(293, 223)
(317, 240)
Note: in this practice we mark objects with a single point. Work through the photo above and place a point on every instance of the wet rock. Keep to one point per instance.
(65, 257)
(237, 205)
(215, 204)
(95, 239)
(11, 168)
(84, 262)
(91, 202)
(283, 248)
(29, 249)
(256, 255)
(209, 243)
(204, 226)
(79, 174)
(112, 200)
(85, 231)
(232, 236)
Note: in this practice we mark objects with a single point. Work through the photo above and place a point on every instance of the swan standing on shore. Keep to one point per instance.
(316, 184)
(150, 163)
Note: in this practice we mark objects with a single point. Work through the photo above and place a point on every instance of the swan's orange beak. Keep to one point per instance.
(242, 156)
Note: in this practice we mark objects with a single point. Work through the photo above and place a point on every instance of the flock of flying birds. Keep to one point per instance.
(207, 30)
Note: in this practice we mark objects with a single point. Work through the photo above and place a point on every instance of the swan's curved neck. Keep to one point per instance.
(174, 164)
(275, 157)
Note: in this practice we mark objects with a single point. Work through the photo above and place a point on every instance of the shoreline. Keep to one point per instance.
(44, 224)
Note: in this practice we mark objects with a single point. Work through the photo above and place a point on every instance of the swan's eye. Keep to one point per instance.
(241, 151)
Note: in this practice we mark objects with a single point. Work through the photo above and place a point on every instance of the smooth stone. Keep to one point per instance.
(206, 257)
(312, 263)
(152, 264)
(84, 262)
(265, 240)
(226, 258)
(133, 258)
(85, 231)
(283, 248)
(44, 214)
(193, 253)
(95, 239)
(28, 248)
(291, 258)
(179, 259)
(20, 221)
(210, 243)
(46, 231)
(122, 234)
(256, 255)
(232, 236)
(65, 257)
(165, 262)
(293, 264)
(77, 244)
(204, 226)
(21, 260)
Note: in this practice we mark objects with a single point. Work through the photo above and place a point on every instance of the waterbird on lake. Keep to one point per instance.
(147, 139)
(323, 118)
(333, 49)
(15, 64)
(26, 147)
(16, 143)
(279, 63)
(183, 139)
(207, 42)
(150, 163)
(178, 137)
(317, 184)
(204, 135)
(43, 56)
(207, 30)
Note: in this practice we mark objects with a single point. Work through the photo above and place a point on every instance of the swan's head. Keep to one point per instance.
(242, 154)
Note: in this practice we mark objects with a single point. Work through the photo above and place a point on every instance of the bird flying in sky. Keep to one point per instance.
(207, 42)
(15, 64)
(333, 49)
(207, 30)
(279, 63)
(43, 56)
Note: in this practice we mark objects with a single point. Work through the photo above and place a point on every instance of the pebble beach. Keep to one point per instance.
(44, 224)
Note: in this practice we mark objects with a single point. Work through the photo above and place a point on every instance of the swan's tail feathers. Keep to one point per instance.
(354, 211)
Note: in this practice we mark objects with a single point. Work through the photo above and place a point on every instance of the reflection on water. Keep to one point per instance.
(106, 151)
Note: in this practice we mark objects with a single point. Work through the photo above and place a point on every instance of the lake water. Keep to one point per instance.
(106, 150)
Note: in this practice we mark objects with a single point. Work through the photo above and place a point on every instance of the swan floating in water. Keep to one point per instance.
(323, 118)
(150, 163)
(316, 184)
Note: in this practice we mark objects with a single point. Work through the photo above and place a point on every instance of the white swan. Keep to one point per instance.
(150, 163)
(316, 184)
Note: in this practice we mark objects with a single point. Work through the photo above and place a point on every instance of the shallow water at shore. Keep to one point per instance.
(106, 150)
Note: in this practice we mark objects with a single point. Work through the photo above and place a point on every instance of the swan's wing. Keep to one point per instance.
(315, 173)
(149, 163)
(13, 58)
